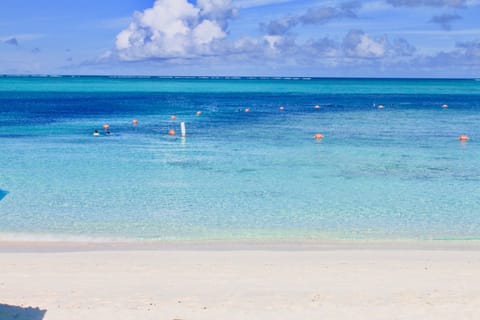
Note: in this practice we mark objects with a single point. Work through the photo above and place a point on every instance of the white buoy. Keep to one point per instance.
(182, 129)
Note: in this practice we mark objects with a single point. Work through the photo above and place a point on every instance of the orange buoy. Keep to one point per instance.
(134, 122)
(318, 136)
(171, 132)
(317, 107)
(381, 106)
(247, 109)
(463, 137)
(444, 106)
(106, 126)
(199, 113)
(173, 118)
(282, 108)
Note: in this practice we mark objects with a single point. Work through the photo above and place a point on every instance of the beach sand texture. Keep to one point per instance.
(343, 283)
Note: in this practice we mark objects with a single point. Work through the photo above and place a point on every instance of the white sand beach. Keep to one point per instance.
(247, 281)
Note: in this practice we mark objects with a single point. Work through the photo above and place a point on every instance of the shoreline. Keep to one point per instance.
(9, 246)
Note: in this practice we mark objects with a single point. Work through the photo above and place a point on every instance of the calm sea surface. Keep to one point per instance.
(393, 173)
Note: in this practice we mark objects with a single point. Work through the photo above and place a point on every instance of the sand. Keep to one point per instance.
(246, 281)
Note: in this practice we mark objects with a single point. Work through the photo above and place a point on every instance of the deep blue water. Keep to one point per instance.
(397, 172)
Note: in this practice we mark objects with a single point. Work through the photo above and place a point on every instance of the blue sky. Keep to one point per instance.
(377, 38)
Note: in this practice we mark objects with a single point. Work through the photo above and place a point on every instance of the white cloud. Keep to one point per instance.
(358, 44)
(175, 29)
(218, 10)
(313, 16)
(272, 41)
(206, 32)
(181, 34)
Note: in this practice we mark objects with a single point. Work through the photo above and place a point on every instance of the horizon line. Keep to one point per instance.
(226, 77)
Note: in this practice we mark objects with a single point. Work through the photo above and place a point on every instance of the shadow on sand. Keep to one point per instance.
(20, 313)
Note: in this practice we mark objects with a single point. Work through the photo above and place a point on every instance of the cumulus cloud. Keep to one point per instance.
(317, 15)
(175, 29)
(321, 15)
(470, 49)
(178, 32)
(323, 47)
(12, 41)
(219, 11)
(464, 59)
(280, 26)
(356, 47)
(445, 20)
(428, 3)
(402, 48)
(358, 44)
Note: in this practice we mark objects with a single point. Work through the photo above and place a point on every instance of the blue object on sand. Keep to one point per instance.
(3, 193)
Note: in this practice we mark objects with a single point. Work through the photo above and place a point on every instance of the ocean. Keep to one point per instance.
(398, 172)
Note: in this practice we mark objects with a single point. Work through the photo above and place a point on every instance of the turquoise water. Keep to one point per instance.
(393, 173)
(314, 86)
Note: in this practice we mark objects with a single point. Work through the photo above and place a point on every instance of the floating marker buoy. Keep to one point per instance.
(318, 136)
(106, 126)
(381, 106)
(182, 128)
(134, 122)
(317, 107)
(199, 113)
(247, 109)
(282, 108)
(173, 118)
(444, 106)
(171, 132)
(463, 137)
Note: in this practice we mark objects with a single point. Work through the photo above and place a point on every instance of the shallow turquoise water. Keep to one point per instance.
(399, 172)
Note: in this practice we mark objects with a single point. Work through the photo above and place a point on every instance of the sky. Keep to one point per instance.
(371, 38)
